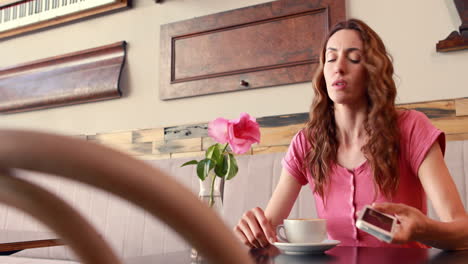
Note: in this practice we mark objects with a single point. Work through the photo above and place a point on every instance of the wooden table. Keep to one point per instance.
(338, 255)
(14, 241)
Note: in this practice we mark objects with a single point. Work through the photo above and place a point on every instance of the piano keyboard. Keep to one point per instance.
(28, 12)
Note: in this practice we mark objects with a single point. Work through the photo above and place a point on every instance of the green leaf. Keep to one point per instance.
(232, 167)
(192, 162)
(203, 168)
(214, 153)
(228, 168)
(209, 151)
(219, 168)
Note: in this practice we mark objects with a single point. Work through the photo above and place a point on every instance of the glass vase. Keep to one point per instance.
(211, 192)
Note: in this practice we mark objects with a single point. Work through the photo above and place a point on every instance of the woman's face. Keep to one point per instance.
(344, 71)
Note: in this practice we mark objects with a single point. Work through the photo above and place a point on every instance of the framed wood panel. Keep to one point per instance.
(78, 77)
(265, 45)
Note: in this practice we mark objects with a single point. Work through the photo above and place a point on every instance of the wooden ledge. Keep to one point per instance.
(457, 40)
(453, 42)
(78, 77)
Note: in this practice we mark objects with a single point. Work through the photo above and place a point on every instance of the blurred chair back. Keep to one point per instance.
(117, 173)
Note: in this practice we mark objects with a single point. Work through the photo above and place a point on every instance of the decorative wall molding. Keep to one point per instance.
(457, 40)
(451, 116)
(78, 77)
(265, 45)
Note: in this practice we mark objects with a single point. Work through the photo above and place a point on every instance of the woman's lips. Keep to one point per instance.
(339, 84)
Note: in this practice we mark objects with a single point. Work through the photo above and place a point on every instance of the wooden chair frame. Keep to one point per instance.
(117, 173)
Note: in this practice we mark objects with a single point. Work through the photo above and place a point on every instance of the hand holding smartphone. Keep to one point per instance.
(378, 224)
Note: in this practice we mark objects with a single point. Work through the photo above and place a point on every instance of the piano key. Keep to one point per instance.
(40, 6)
(23, 9)
(30, 7)
(14, 12)
(7, 14)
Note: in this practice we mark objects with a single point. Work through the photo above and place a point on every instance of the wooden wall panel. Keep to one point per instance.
(276, 132)
(433, 109)
(452, 125)
(148, 135)
(269, 44)
(78, 77)
(461, 107)
(177, 145)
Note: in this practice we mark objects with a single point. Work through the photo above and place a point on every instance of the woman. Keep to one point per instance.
(357, 149)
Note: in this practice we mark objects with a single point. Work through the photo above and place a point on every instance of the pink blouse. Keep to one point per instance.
(350, 190)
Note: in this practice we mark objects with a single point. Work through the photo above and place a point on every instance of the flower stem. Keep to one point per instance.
(211, 203)
(224, 149)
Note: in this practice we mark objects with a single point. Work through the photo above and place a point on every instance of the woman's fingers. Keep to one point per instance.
(254, 229)
(401, 235)
(243, 232)
(411, 222)
(257, 231)
(391, 208)
(268, 231)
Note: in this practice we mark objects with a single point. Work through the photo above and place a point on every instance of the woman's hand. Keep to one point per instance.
(254, 229)
(412, 223)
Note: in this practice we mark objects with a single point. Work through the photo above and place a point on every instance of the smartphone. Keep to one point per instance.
(378, 224)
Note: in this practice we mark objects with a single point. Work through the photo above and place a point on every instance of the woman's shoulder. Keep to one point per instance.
(406, 115)
(415, 126)
(300, 141)
(300, 137)
(409, 118)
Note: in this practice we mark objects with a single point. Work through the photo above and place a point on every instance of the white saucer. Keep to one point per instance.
(306, 248)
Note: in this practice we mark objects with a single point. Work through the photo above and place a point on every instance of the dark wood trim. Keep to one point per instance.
(457, 40)
(17, 246)
(77, 77)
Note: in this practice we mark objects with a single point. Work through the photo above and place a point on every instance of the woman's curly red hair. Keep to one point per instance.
(381, 125)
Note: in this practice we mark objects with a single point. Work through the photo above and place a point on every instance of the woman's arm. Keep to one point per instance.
(257, 228)
(283, 198)
(449, 233)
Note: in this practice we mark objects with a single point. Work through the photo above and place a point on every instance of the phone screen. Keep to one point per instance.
(378, 219)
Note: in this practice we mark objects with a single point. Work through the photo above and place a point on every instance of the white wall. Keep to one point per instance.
(410, 30)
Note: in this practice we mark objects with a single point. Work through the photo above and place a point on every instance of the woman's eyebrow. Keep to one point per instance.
(347, 50)
(352, 49)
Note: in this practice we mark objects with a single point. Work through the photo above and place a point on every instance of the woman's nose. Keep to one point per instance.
(340, 65)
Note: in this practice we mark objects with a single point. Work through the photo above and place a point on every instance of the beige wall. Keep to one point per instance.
(410, 30)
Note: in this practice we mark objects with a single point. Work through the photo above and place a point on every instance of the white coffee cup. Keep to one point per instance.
(303, 230)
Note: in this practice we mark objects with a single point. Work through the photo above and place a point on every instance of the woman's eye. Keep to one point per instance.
(331, 59)
(354, 58)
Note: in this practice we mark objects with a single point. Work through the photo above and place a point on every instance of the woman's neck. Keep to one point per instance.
(350, 124)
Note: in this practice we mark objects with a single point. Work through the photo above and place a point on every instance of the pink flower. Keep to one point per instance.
(240, 133)
(217, 129)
